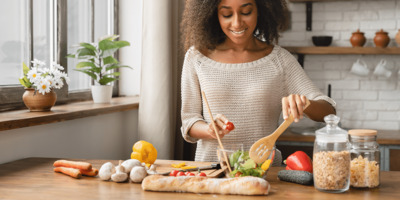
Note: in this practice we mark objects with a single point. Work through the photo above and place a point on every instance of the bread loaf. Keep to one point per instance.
(241, 185)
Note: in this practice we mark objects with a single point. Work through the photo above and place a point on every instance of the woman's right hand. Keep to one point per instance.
(223, 126)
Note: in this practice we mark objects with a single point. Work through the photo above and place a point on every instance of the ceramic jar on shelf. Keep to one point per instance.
(36, 101)
(397, 38)
(357, 39)
(381, 39)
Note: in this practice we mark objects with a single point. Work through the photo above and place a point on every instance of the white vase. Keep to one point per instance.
(101, 93)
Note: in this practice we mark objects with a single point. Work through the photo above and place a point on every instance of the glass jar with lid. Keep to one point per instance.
(365, 158)
(331, 159)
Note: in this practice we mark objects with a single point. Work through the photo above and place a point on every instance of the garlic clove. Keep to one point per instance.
(119, 177)
(129, 164)
(106, 170)
(138, 174)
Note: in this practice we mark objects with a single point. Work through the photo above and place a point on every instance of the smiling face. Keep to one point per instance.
(238, 19)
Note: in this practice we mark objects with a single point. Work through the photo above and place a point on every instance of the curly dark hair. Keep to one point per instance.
(201, 29)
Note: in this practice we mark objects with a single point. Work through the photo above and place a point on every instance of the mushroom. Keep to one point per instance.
(106, 170)
(129, 164)
(120, 175)
(138, 173)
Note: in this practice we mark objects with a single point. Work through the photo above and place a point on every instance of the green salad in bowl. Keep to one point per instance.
(242, 165)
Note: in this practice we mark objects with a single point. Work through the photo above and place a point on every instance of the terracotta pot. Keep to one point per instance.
(357, 39)
(381, 39)
(36, 101)
(397, 38)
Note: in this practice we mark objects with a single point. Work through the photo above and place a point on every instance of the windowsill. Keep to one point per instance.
(24, 118)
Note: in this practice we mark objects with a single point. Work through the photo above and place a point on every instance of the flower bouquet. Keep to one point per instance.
(43, 80)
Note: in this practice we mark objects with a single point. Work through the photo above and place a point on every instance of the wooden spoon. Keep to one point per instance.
(261, 149)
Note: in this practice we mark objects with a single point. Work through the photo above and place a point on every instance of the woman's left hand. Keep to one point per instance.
(293, 104)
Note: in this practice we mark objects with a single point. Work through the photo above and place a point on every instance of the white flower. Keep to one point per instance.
(44, 79)
(58, 83)
(38, 63)
(44, 86)
(58, 66)
(33, 74)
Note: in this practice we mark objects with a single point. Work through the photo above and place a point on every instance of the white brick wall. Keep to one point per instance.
(362, 102)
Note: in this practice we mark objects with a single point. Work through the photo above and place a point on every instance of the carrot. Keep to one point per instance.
(73, 164)
(92, 172)
(75, 173)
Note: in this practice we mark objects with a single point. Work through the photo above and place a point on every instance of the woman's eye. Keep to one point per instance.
(226, 16)
(247, 13)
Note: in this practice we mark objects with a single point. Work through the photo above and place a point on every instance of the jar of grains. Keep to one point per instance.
(331, 159)
(365, 155)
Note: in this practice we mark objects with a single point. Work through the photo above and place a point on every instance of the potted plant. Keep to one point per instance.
(97, 60)
(39, 82)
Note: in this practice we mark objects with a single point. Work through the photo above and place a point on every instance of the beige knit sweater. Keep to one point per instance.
(248, 94)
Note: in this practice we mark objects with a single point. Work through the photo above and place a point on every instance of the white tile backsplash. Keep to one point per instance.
(362, 102)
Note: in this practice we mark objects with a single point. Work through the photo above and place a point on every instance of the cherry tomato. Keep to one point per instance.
(181, 174)
(238, 174)
(202, 174)
(229, 126)
(189, 174)
(173, 172)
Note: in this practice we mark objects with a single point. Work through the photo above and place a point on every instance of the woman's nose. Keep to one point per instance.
(237, 21)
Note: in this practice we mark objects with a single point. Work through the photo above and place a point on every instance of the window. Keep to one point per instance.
(47, 30)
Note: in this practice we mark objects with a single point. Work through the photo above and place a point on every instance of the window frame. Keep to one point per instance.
(11, 95)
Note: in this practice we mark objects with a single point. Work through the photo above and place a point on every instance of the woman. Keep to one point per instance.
(248, 80)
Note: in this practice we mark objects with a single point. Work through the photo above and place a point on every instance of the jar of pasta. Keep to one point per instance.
(331, 159)
(365, 157)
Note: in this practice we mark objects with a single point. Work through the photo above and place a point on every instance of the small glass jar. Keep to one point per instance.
(365, 159)
(331, 158)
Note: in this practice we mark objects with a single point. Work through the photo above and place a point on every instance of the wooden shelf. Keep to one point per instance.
(24, 118)
(300, 1)
(344, 50)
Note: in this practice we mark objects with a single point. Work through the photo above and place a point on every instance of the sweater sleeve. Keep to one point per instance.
(191, 111)
(297, 81)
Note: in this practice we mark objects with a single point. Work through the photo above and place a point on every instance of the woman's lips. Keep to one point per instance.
(238, 32)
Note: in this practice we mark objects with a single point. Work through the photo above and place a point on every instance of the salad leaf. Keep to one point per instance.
(242, 163)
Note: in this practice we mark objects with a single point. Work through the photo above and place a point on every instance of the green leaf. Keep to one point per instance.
(105, 80)
(109, 60)
(85, 64)
(117, 66)
(25, 69)
(111, 37)
(70, 55)
(88, 46)
(85, 53)
(113, 74)
(122, 43)
(91, 74)
(107, 45)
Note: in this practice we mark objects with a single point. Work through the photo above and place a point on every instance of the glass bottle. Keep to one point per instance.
(365, 159)
(331, 159)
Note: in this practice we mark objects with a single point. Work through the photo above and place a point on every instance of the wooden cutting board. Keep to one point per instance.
(165, 166)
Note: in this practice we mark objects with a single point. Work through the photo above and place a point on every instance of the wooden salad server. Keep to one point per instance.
(261, 149)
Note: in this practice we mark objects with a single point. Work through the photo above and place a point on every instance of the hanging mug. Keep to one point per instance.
(380, 69)
(360, 68)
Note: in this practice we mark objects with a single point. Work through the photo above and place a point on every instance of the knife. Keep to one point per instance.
(212, 166)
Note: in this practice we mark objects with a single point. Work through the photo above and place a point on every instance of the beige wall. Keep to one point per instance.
(109, 136)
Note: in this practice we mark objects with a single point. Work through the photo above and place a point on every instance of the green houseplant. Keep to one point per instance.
(97, 60)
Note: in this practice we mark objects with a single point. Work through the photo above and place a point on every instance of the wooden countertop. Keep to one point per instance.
(33, 178)
(385, 137)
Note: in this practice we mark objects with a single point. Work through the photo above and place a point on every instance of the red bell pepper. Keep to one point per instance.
(299, 161)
